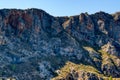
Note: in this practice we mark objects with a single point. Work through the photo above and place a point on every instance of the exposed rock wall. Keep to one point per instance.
(34, 44)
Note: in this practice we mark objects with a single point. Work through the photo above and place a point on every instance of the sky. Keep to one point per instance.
(64, 7)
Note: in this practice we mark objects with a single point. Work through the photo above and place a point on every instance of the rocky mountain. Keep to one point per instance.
(35, 45)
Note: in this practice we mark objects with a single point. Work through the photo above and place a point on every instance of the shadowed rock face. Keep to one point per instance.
(34, 44)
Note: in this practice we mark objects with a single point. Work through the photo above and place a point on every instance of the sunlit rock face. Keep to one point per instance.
(34, 45)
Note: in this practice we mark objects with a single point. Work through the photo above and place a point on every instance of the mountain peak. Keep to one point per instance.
(36, 44)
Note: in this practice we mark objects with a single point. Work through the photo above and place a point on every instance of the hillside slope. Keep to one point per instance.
(37, 46)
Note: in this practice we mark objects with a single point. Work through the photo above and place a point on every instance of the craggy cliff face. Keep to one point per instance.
(37, 46)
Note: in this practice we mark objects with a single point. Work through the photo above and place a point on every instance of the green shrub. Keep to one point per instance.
(110, 78)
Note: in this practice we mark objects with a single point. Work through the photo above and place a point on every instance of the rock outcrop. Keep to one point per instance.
(35, 45)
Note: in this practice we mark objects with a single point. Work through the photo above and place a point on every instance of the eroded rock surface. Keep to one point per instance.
(34, 44)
